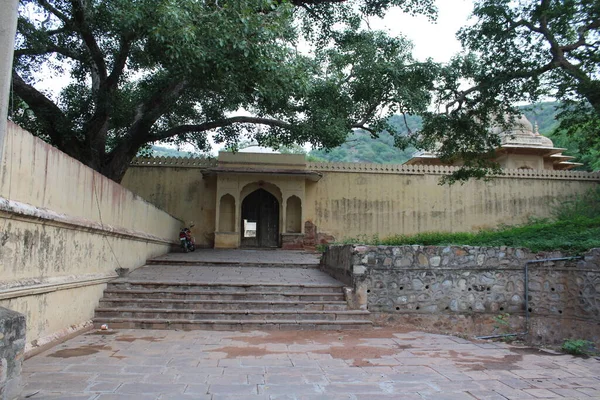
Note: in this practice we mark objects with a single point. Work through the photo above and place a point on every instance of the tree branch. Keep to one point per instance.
(50, 48)
(120, 61)
(182, 129)
(48, 7)
(88, 38)
(48, 113)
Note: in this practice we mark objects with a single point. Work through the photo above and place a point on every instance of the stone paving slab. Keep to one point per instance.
(381, 363)
(244, 256)
(230, 275)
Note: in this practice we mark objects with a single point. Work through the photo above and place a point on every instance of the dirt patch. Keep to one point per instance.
(322, 337)
(533, 351)
(360, 354)
(346, 345)
(79, 351)
(234, 352)
(480, 363)
(129, 339)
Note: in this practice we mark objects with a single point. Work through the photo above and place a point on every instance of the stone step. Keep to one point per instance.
(230, 325)
(223, 304)
(224, 287)
(231, 264)
(265, 315)
(222, 295)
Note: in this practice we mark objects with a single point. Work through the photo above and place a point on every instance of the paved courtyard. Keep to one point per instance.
(374, 364)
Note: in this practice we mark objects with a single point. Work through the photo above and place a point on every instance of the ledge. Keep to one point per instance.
(12, 209)
(39, 286)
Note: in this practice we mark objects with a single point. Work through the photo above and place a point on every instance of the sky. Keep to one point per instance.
(431, 39)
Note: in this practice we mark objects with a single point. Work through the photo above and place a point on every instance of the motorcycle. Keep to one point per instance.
(186, 240)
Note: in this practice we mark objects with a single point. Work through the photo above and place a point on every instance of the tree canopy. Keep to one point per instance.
(154, 70)
(515, 52)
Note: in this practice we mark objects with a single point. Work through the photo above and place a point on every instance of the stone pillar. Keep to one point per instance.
(12, 348)
(8, 28)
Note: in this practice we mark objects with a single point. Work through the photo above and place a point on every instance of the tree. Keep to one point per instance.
(518, 51)
(173, 70)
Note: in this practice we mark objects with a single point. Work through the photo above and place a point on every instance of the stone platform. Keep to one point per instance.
(352, 365)
(229, 290)
(256, 257)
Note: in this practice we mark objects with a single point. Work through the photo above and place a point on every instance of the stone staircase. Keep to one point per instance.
(193, 304)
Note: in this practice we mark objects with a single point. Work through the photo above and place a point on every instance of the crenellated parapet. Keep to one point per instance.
(372, 168)
(403, 169)
(182, 162)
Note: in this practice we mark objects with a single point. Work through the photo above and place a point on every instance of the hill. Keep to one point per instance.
(361, 147)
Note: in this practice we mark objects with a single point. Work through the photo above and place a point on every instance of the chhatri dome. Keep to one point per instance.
(521, 147)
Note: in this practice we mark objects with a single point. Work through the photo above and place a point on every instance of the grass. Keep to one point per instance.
(574, 230)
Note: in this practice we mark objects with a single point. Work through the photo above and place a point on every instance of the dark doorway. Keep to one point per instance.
(260, 220)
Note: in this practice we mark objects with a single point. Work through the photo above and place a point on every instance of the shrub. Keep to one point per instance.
(577, 346)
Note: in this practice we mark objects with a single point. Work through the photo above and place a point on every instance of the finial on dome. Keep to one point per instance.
(536, 130)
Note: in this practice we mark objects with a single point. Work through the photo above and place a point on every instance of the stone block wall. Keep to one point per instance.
(12, 347)
(466, 289)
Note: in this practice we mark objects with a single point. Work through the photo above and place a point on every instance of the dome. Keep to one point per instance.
(522, 124)
(524, 134)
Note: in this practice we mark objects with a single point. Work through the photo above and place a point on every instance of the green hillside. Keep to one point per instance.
(361, 147)
(544, 114)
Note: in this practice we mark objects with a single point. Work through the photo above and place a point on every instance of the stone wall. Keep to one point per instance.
(468, 288)
(12, 346)
(65, 230)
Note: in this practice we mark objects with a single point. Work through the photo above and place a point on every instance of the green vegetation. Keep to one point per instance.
(574, 230)
(363, 147)
(571, 237)
(549, 49)
(578, 347)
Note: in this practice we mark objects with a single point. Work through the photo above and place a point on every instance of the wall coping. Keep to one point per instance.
(372, 168)
(37, 286)
(27, 212)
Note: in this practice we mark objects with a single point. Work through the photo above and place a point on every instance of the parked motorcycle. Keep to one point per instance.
(186, 240)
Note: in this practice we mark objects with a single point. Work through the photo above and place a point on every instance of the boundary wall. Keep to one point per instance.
(352, 200)
(66, 230)
(465, 289)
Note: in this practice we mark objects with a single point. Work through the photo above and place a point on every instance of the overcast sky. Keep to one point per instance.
(436, 40)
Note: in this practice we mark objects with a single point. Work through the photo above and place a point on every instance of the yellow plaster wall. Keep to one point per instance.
(349, 204)
(64, 230)
(516, 161)
(180, 191)
(361, 199)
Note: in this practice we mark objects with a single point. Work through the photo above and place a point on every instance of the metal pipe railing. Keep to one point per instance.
(527, 313)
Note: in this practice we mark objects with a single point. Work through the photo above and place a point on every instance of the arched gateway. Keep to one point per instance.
(260, 200)
(260, 220)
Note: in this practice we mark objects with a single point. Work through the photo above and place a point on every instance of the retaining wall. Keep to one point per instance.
(65, 231)
(467, 289)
